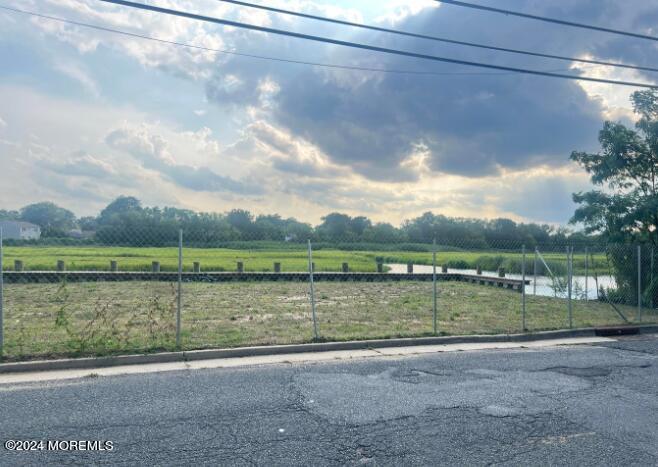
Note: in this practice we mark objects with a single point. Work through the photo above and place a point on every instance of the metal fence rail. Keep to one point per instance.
(154, 293)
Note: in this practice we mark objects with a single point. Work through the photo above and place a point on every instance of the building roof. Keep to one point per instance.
(19, 224)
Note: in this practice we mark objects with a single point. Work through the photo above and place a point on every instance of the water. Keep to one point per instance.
(544, 286)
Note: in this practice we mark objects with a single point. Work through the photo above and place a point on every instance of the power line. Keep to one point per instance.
(547, 20)
(435, 38)
(260, 57)
(209, 19)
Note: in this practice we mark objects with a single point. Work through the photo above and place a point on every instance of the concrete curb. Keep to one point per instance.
(194, 355)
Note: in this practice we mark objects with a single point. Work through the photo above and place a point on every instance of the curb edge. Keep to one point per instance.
(195, 355)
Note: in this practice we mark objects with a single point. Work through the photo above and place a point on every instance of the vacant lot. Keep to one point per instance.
(97, 258)
(103, 318)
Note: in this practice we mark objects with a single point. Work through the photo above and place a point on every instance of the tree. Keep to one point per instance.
(336, 227)
(243, 221)
(500, 232)
(298, 231)
(270, 227)
(53, 220)
(624, 207)
(88, 223)
(9, 215)
(627, 166)
(383, 233)
(121, 205)
(359, 224)
(464, 233)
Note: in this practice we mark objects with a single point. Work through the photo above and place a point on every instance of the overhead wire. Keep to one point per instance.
(256, 56)
(547, 19)
(350, 44)
(434, 38)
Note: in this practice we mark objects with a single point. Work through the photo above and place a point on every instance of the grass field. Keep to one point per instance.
(50, 320)
(43, 258)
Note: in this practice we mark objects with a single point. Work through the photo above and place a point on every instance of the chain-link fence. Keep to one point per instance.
(146, 291)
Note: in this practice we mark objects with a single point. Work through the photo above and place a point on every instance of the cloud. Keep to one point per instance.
(54, 150)
(153, 152)
(542, 195)
(81, 165)
(475, 125)
(80, 75)
(303, 140)
(3, 124)
(400, 10)
(185, 62)
(193, 63)
(289, 154)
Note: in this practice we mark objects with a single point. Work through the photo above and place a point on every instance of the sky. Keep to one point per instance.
(87, 115)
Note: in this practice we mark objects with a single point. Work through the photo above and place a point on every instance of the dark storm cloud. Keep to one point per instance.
(474, 124)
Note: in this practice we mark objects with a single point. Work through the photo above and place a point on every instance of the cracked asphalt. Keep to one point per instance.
(568, 405)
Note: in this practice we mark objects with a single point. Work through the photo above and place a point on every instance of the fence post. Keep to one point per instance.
(651, 278)
(569, 265)
(180, 286)
(534, 273)
(434, 311)
(2, 297)
(524, 328)
(586, 274)
(310, 276)
(639, 282)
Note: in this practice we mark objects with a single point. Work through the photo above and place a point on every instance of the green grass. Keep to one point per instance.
(53, 320)
(97, 258)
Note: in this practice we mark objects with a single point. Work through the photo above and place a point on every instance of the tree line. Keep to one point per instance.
(125, 221)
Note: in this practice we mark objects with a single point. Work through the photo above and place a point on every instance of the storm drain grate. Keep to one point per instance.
(617, 331)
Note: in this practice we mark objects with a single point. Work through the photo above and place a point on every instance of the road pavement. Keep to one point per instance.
(593, 404)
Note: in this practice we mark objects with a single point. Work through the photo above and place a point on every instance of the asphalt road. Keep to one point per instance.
(579, 405)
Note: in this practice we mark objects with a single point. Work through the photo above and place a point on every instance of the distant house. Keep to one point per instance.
(17, 230)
